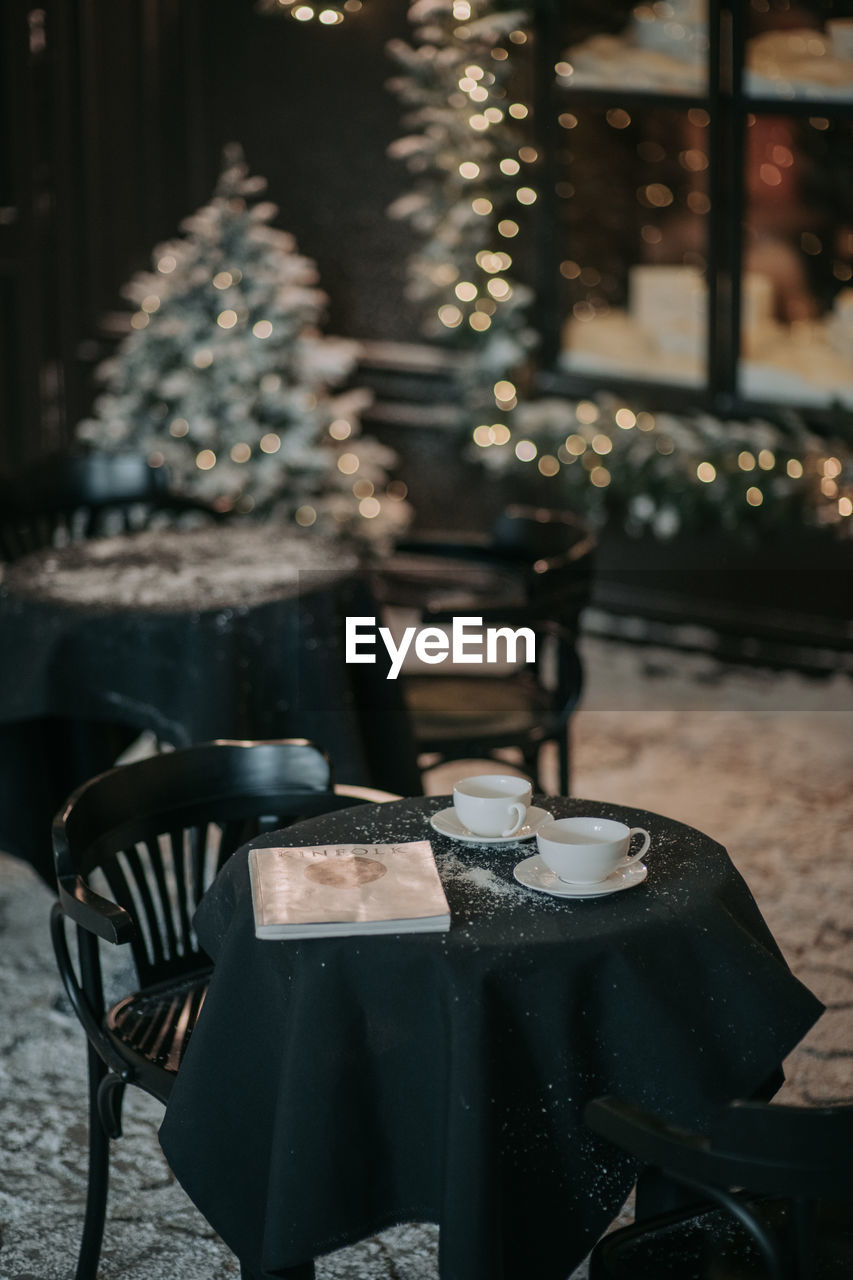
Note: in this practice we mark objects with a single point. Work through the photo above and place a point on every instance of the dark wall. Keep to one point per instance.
(113, 114)
(102, 127)
(311, 108)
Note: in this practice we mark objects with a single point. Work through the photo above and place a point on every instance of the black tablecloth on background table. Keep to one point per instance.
(333, 1087)
(169, 632)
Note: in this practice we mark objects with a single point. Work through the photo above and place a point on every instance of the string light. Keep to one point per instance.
(348, 463)
(331, 15)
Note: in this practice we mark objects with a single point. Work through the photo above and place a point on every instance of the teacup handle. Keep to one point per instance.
(520, 810)
(635, 857)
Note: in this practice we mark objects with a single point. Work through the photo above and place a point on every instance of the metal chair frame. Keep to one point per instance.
(550, 555)
(67, 497)
(767, 1166)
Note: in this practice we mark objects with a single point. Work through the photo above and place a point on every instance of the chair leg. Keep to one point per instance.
(565, 757)
(98, 1182)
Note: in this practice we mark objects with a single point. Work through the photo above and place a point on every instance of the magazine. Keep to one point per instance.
(330, 890)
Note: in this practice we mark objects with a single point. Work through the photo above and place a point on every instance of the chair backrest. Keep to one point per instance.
(65, 497)
(532, 533)
(65, 481)
(766, 1148)
(158, 830)
(555, 551)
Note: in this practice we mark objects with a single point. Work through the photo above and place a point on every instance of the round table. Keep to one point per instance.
(333, 1087)
(226, 632)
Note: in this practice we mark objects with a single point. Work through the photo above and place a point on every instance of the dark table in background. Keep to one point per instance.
(333, 1087)
(191, 635)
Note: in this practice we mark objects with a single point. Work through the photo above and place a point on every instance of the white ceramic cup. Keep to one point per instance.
(588, 850)
(492, 804)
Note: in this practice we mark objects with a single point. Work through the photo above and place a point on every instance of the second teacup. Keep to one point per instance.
(492, 804)
(588, 850)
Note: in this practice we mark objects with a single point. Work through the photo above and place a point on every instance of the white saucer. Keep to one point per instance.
(533, 873)
(446, 823)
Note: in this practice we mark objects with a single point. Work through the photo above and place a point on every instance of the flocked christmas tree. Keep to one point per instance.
(225, 376)
(468, 152)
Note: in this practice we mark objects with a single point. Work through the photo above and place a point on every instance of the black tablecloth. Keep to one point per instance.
(168, 632)
(335, 1086)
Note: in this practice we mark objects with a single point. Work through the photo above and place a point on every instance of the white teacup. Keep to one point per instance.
(492, 804)
(588, 850)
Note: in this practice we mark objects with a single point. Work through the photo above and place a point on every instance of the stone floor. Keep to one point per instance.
(761, 762)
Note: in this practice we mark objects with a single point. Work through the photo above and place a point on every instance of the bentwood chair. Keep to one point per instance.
(534, 572)
(772, 1188)
(135, 850)
(65, 497)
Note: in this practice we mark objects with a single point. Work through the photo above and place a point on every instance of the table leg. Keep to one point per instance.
(303, 1271)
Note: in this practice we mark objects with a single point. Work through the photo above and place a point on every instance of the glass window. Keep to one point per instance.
(799, 50)
(797, 284)
(660, 47)
(634, 203)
